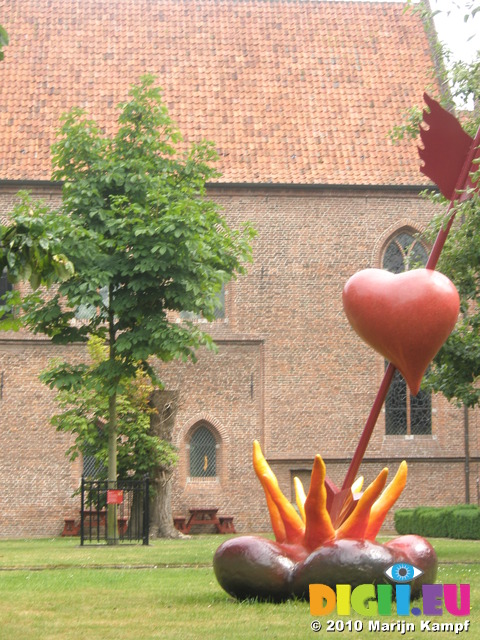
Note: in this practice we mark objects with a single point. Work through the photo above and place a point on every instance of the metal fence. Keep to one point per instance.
(114, 512)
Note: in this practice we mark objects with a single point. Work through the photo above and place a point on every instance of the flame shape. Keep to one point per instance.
(312, 526)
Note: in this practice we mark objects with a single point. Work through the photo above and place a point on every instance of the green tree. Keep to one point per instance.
(455, 371)
(141, 449)
(144, 242)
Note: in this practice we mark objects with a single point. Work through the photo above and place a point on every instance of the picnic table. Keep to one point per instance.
(204, 516)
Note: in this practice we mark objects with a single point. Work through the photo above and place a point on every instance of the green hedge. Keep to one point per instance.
(457, 521)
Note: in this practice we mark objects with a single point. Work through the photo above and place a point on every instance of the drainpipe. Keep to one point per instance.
(467, 454)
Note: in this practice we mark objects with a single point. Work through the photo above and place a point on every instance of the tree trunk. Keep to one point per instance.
(112, 528)
(162, 423)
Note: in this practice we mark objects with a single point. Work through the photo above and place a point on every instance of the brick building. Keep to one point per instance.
(299, 98)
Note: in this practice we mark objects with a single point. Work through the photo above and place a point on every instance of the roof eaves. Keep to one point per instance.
(413, 188)
(253, 186)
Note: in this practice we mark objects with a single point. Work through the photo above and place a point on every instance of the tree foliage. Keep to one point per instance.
(31, 250)
(84, 409)
(455, 371)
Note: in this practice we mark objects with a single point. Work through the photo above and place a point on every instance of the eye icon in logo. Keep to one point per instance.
(402, 572)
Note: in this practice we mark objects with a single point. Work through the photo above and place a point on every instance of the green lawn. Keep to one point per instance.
(66, 552)
(56, 590)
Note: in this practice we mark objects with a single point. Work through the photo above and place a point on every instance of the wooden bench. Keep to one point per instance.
(204, 517)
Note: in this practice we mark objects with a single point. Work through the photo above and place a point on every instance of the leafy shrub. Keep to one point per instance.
(431, 522)
(458, 521)
(466, 523)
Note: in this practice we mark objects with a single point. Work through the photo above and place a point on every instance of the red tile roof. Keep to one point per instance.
(290, 91)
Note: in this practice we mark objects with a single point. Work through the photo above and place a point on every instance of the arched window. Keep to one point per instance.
(203, 453)
(406, 414)
(404, 252)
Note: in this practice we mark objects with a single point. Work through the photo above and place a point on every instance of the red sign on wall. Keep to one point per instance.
(114, 496)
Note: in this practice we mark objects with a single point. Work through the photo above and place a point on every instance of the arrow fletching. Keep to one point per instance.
(445, 147)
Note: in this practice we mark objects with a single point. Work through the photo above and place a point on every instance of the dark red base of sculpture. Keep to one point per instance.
(255, 567)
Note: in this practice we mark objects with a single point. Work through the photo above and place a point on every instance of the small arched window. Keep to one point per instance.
(406, 414)
(203, 453)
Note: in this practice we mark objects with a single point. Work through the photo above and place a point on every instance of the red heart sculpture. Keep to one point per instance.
(406, 317)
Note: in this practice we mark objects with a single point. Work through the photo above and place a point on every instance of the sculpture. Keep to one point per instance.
(309, 549)
(406, 317)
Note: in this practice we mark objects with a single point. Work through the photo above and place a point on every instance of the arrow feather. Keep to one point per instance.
(445, 147)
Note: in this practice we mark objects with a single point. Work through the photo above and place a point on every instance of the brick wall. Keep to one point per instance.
(289, 371)
(36, 478)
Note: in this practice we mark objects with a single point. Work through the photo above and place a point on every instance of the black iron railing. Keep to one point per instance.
(114, 512)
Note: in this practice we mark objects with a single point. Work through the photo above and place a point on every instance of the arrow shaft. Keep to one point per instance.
(369, 426)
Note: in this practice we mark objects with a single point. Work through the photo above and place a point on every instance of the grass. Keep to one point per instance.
(56, 590)
(66, 552)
